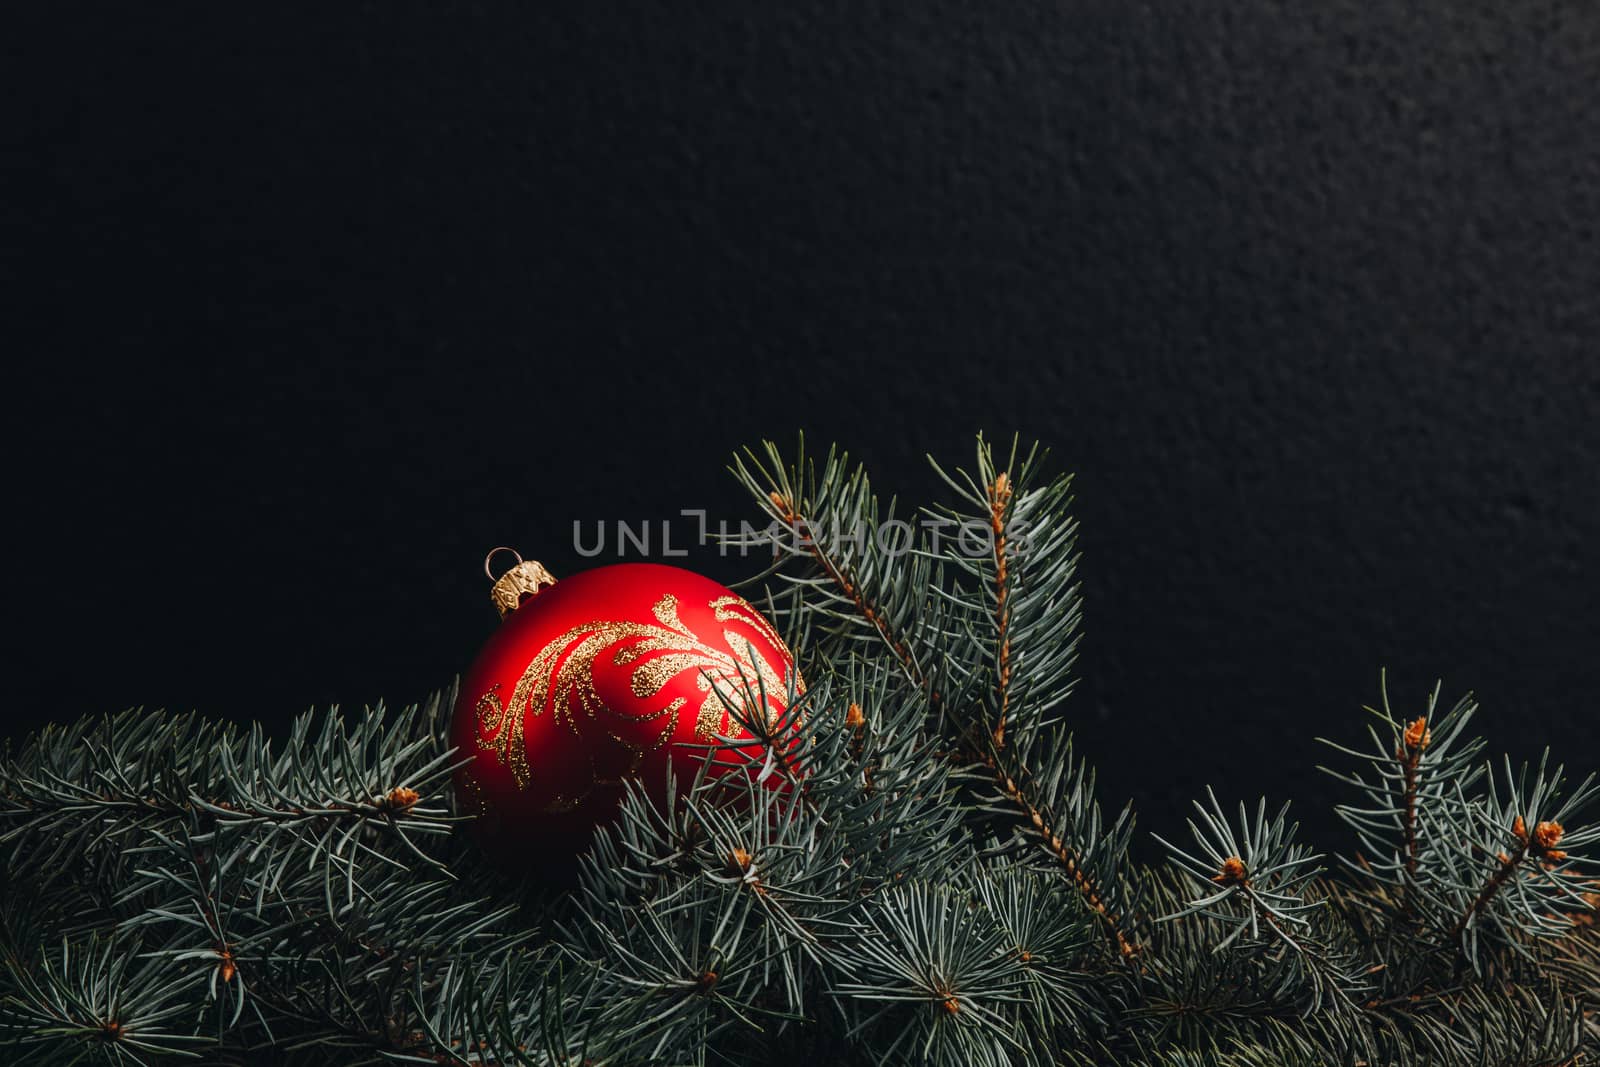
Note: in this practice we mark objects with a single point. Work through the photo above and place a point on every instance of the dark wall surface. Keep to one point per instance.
(317, 309)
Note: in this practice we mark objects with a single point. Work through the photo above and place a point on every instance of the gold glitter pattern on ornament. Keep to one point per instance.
(737, 609)
(561, 677)
(494, 720)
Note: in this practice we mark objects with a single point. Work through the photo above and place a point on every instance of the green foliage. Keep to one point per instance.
(925, 876)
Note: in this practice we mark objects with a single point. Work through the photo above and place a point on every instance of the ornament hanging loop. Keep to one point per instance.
(487, 560)
(522, 582)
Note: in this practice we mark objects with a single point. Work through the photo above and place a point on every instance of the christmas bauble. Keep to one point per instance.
(610, 674)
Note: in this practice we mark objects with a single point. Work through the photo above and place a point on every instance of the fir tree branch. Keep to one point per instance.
(1506, 865)
(791, 513)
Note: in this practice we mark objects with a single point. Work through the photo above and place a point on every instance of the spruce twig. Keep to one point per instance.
(790, 512)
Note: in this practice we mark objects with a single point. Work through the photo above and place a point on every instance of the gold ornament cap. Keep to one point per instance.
(522, 582)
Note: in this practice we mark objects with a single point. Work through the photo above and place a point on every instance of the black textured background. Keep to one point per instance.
(319, 306)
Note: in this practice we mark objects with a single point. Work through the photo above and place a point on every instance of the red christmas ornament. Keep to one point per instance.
(607, 675)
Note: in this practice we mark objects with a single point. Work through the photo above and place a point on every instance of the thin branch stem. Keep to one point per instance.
(35, 808)
(840, 576)
(999, 503)
(1412, 760)
(1082, 880)
(1506, 867)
